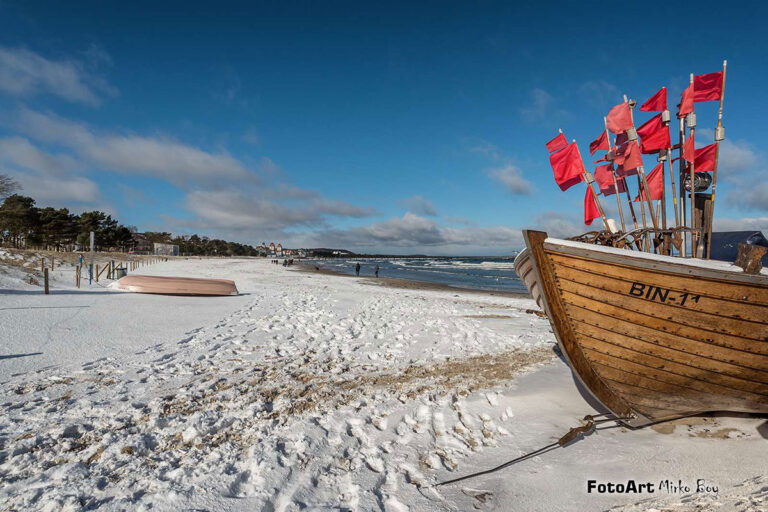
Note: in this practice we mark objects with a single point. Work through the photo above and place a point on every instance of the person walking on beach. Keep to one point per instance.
(377, 271)
(357, 269)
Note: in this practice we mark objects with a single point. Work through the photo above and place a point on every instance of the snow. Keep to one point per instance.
(313, 391)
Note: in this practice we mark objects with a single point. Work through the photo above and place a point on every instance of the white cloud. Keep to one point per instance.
(55, 191)
(561, 225)
(483, 147)
(161, 157)
(751, 192)
(412, 233)
(542, 106)
(19, 151)
(600, 94)
(512, 178)
(743, 224)
(26, 73)
(419, 205)
(249, 214)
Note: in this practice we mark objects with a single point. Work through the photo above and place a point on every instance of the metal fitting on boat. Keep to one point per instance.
(691, 120)
(665, 117)
(662, 155)
(588, 176)
(631, 134)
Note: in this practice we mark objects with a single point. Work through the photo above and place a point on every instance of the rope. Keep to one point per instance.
(574, 434)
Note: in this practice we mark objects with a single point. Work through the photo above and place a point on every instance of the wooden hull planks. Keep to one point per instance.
(653, 338)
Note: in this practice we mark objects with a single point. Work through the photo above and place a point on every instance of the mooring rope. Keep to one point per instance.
(574, 434)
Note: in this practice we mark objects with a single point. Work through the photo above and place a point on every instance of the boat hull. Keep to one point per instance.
(163, 285)
(653, 337)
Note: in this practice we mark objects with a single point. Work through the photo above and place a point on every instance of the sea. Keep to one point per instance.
(477, 273)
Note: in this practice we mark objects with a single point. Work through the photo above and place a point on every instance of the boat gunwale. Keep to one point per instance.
(668, 265)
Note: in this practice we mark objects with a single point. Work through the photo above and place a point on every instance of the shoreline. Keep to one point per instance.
(407, 284)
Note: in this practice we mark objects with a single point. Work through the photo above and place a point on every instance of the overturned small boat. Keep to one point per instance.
(653, 337)
(175, 285)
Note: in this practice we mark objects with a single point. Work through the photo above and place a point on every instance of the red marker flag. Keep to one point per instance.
(654, 135)
(557, 143)
(689, 148)
(599, 143)
(708, 87)
(619, 118)
(604, 179)
(567, 166)
(686, 102)
(657, 102)
(621, 172)
(704, 161)
(621, 138)
(655, 180)
(591, 212)
(628, 155)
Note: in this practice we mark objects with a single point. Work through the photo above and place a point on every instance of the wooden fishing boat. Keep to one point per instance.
(176, 285)
(653, 337)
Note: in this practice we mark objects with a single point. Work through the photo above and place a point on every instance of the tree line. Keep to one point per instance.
(194, 245)
(23, 224)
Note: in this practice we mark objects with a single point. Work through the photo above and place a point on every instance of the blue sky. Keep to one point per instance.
(397, 127)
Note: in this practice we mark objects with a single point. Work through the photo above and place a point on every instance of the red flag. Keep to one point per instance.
(604, 179)
(567, 166)
(621, 138)
(619, 118)
(654, 135)
(599, 143)
(657, 102)
(557, 143)
(655, 180)
(686, 102)
(623, 173)
(604, 159)
(708, 87)
(591, 211)
(628, 155)
(689, 146)
(704, 160)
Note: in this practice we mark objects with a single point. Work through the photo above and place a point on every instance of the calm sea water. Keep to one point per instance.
(496, 274)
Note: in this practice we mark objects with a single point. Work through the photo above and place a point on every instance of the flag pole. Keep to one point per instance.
(663, 202)
(692, 171)
(642, 183)
(588, 179)
(674, 192)
(719, 135)
(641, 174)
(613, 175)
(681, 170)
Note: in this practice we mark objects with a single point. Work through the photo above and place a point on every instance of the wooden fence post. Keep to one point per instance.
(42, 264)
(45, 277)
(77, 276)
(97, 272)
(52, 259)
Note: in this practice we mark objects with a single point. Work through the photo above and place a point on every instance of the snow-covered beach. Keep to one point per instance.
(320, 392)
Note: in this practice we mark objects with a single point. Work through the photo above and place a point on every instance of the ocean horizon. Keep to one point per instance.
(470, 272)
